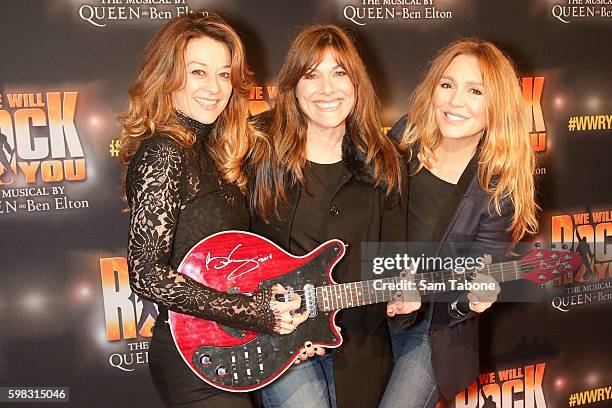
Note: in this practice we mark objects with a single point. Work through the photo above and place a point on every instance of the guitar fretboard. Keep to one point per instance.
(353, 294)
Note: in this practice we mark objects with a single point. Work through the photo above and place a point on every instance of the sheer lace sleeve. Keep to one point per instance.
(155, 184)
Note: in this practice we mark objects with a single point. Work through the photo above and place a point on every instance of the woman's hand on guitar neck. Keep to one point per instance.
(284, 312)
(408, 301)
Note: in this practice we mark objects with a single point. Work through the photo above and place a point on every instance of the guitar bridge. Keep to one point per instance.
(310, 299)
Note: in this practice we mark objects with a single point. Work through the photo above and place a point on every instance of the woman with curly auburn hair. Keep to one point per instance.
(184, 140)
(471, 164)
(327, 172)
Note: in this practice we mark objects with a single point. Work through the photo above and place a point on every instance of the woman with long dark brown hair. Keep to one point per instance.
(328, 172)
(184, 140)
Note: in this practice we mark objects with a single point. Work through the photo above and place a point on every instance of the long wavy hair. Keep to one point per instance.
(279, 165)
(506, 160)
(163, 71)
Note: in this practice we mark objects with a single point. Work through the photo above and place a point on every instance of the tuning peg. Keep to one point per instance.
(564, 247)
(552, 245)
(538, 245)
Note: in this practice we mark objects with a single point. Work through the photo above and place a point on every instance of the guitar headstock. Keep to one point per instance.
(543, 265)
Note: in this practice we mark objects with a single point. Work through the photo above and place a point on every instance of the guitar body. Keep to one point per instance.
(236, 261)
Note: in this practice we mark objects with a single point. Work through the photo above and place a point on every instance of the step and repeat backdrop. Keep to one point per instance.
(67, 315)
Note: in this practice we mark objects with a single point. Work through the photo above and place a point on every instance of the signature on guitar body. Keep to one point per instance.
(244, 265)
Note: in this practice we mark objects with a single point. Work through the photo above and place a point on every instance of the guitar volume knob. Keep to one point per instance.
(221, 371)
(205, 360)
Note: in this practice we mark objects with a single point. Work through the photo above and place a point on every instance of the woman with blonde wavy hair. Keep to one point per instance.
(329, 172)
(184, 140)
(466, 138)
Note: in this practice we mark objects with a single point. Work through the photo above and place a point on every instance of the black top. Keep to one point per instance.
(177, 197)
(428, 194)
(309, 228)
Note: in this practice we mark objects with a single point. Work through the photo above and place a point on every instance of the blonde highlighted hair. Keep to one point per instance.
(288, 124)
(163, 72)
(505, 157)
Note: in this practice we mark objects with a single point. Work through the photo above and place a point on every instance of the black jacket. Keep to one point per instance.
(358, 212)
(465, 218)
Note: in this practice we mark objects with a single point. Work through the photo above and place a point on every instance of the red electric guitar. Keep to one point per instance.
(236, 261)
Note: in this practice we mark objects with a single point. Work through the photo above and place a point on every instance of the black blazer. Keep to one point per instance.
(358, 212)
(466, 217)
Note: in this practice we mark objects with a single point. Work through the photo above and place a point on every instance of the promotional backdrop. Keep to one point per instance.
(67, 315)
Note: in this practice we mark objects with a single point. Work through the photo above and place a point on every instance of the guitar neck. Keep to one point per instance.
(354, 294)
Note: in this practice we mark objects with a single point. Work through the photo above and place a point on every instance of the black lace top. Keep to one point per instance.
(177, 197)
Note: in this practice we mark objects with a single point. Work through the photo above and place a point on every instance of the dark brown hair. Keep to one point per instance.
(279, 164)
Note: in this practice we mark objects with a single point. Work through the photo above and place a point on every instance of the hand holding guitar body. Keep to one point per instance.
(286, 320)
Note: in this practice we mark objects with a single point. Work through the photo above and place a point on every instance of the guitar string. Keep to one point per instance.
(525, 266)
